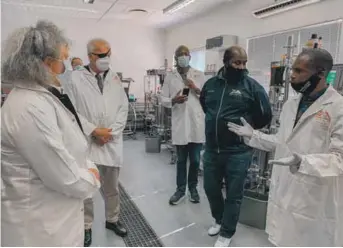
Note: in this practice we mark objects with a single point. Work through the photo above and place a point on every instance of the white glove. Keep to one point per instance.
(245, 131)
(293, 162)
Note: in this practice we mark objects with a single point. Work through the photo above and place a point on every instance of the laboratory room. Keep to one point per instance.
(176, 123)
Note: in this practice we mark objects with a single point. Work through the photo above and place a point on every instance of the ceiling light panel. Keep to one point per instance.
(176, 6)
(147, 4)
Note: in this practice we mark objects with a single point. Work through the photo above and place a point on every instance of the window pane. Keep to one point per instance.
(263, 50)
(198, 60)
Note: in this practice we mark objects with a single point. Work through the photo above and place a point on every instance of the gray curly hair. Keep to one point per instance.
(25, 50)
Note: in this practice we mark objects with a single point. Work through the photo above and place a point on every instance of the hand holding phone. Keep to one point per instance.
(180, 98)
(185, 91)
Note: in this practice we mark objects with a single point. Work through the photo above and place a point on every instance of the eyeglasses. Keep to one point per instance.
(102, 55)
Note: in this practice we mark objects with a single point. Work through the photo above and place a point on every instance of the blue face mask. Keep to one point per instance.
(183, 61)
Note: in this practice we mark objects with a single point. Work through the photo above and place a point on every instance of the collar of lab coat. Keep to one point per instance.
(330, 96)
(177, 74)
(89, 72)
(40, 88)
(90, 77)
(32, 86)
(327, 97)
(94, 73)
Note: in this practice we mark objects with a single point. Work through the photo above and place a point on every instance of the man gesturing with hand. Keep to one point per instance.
(305, 205)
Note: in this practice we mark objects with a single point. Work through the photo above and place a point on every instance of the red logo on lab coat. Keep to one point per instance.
(323, 117)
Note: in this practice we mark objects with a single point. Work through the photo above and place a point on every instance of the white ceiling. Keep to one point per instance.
(115, 9)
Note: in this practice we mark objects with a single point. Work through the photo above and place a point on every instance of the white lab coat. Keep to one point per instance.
(306, 208)
(188, 119)
(107, 110)
(44, 170)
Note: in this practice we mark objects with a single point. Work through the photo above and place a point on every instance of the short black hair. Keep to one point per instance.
(320, 59)
(231, 52)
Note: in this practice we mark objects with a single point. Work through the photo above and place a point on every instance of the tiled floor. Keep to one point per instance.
(150, 181)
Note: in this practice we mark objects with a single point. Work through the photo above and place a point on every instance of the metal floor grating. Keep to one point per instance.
(140, 233)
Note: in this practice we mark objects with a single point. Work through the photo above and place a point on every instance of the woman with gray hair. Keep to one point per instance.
(46, 174)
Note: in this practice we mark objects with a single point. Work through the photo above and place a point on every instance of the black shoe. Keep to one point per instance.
(88, 238)
(194, 196)
(177, 198)
(117, 228)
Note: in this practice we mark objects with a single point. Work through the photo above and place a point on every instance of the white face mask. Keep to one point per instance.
(66, 64)
(183, 61)
(103, 64)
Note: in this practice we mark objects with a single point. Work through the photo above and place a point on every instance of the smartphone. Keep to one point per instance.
(185, 91)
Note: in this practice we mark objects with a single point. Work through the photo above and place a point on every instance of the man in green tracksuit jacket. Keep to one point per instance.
(227, 97)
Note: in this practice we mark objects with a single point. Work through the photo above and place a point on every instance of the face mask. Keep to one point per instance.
(308, 86)
(233, 73)
(62, 78)
(63, 68)
(78, 68)
(103, 64)
(65, 62)
(183, 61)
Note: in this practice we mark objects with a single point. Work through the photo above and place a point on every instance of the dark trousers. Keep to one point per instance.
(233, 168)
(191, 150)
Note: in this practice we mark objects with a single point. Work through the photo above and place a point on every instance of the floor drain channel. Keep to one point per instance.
(140, 233)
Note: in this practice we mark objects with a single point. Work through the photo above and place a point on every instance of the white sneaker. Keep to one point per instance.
(214, 230)
(222, 242)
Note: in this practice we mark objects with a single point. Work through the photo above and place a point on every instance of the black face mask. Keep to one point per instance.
(232, 73)
(308, 86)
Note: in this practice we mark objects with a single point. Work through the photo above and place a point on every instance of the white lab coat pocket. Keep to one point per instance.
(305, 196)
(51, 222)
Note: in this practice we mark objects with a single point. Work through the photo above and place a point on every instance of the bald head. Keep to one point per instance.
(182, 51)
(235, 56)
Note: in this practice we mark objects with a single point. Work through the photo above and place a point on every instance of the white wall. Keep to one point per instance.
(134, 48)
(236, 19)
